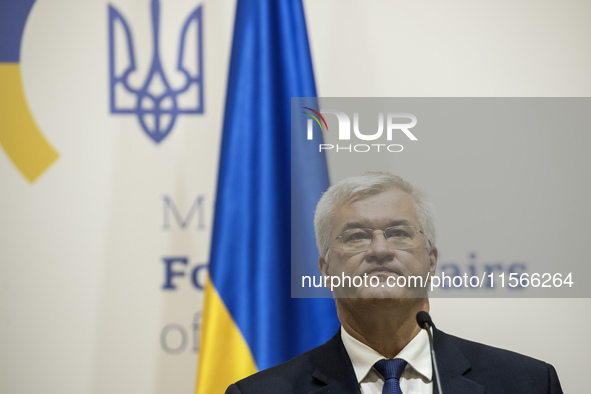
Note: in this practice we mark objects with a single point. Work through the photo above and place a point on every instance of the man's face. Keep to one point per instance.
(380, 260)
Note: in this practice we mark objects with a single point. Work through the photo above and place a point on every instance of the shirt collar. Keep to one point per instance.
(416, 353)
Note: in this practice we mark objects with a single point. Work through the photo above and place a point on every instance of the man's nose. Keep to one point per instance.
(379, 247)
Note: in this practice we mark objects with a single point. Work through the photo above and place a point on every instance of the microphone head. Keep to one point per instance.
(424, 320)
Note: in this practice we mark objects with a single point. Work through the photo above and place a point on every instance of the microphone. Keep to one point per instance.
(424, 321)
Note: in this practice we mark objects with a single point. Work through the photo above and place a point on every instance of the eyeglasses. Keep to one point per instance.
(399, 237)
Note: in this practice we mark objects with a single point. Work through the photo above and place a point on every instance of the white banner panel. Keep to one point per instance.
(104, 256)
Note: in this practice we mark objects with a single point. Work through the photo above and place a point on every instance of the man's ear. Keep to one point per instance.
(433, 260)
(323, 265)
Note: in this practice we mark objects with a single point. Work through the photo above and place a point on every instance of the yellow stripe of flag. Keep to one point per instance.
(226, 356)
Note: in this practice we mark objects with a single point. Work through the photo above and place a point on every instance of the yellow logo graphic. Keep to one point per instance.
(20, 137)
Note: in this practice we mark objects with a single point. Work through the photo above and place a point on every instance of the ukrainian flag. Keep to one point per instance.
(250, 321)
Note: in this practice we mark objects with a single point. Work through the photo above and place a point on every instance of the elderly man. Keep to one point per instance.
(379, 228)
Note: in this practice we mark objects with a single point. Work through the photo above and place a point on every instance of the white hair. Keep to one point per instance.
(365, 185)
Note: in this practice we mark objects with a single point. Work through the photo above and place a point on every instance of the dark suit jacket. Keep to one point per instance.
(465, 368)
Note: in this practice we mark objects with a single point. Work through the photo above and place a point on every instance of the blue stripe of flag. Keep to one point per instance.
(251, 246)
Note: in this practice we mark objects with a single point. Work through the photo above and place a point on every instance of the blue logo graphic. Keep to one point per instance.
(156, 103)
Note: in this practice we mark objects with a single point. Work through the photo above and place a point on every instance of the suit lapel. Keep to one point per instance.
(452, 366)
(334, 372)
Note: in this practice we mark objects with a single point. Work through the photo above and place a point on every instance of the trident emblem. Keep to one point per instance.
(155, 103)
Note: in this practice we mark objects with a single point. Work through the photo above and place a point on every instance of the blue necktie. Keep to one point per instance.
(391, 370)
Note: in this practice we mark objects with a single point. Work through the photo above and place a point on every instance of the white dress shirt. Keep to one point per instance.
(416, 377)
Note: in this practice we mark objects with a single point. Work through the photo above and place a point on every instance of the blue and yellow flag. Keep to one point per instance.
(250, 321)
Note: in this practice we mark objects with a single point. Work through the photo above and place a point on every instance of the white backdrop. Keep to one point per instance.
(83, 249)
